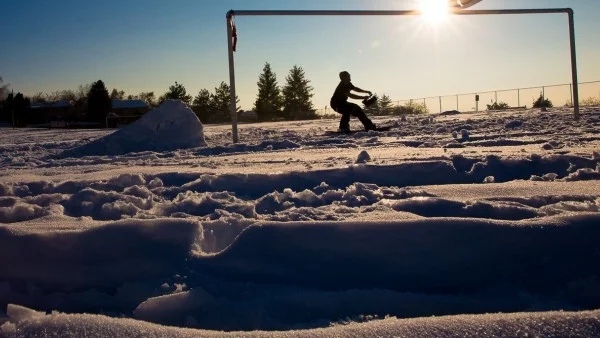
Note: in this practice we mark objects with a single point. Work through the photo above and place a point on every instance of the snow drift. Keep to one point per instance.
(97, 257)
(282, 275)
(288, 232)
(429, 256)
(171, 126)
(28, 323)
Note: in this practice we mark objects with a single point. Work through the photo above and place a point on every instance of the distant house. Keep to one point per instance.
(50, 112)
(125, 111)
(129, 107)
(53, 107)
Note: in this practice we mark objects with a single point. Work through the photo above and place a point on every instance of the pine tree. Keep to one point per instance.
(542, 102)
(297, 94)
(99, 104)
(202, 105)
(202, 99)
(220, 101)
(117, 94)
(7, 105)
(20, 108)
(176, 92)
(374, 108)
(17, 107)
(268, 101)
(385, 105)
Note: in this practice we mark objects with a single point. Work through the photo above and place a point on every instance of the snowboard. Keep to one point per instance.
(337, 132)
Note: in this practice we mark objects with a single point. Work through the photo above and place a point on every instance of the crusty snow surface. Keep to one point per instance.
(483, 224)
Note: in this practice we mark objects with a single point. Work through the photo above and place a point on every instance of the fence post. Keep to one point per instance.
(12, 108)
(496, 96)
(440, 104)
(457, 103)
(518, 97)
(543, 93)
(571, 92)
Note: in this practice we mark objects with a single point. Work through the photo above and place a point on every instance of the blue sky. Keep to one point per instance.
(147, 45)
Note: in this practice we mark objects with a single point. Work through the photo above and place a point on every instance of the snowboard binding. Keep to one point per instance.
(369, 101)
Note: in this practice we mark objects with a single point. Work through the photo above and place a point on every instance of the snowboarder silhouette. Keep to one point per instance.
(339, 103)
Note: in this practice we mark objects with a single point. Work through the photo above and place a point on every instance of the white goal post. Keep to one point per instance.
(232, 38)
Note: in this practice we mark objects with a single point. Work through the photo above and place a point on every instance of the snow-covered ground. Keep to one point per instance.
(295, 229)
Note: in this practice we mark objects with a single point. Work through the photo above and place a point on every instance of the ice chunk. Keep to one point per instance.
(363, 157)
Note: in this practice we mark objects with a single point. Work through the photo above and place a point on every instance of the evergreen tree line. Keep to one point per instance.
(383, 106)
(92, 102)
(291, 102)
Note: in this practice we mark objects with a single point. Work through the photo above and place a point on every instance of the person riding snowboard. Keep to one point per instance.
(339, 103)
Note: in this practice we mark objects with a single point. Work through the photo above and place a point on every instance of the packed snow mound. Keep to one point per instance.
(171, 126)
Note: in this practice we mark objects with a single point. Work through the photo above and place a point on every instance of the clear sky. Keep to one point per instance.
(147, 45)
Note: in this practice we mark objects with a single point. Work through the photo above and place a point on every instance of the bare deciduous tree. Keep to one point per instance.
(3, 89)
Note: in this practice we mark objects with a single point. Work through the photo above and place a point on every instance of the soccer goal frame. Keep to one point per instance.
(232, 38)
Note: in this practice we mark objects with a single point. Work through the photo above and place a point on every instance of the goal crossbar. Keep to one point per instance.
(232, 12)
(454, 11)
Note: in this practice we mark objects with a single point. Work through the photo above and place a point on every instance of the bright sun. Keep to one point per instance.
(434, 10)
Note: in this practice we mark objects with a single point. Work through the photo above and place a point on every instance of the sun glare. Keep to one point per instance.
(434, 11)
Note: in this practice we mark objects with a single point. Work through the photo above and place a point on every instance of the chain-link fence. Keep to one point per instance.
(559, 95)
